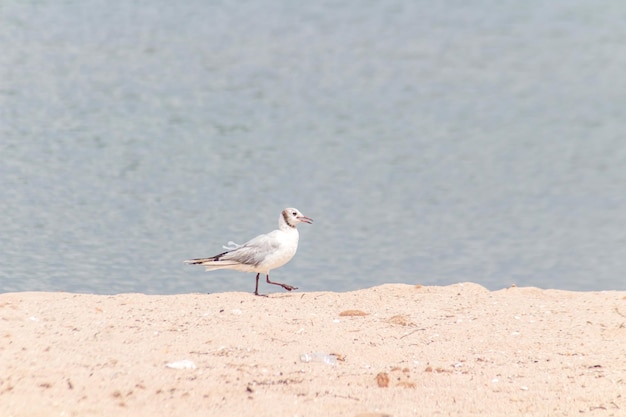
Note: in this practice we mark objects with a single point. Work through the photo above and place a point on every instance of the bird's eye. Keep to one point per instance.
(294, 213)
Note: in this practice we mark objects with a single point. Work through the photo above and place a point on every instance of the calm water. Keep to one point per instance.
(431, 143)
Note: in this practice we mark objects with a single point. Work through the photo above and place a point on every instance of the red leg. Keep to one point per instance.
(285, 286)
(256, 289)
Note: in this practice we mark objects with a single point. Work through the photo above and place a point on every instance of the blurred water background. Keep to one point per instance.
(432, 143)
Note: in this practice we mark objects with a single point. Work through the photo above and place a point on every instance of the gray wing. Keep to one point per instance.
(252, 252)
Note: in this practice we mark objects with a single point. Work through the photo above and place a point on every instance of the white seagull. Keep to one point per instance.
(263, 253)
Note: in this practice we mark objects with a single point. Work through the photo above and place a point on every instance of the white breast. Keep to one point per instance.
(288, 245)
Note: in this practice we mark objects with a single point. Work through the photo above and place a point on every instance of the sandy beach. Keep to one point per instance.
(391, 350)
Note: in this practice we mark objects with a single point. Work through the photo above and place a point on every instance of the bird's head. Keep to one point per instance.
(292, 216)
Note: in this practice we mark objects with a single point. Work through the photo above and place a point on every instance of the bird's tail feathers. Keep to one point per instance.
(199, 261)
(205, 261)
(211, 264)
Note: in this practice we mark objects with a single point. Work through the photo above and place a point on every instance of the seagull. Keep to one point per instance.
(263, 253)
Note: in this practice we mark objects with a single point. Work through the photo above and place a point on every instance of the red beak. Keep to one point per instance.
(305, 219)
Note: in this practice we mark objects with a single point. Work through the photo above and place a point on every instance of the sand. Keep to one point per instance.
(400, 350)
